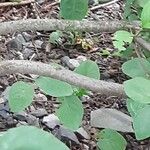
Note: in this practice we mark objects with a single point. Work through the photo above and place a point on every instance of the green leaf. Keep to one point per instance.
(105, 52)
(74, 9)
(138, 89)
(141, 123)
(127, 8)
(54, 87)
(70, 112)
(119, 45)
(120, 38)
(20, 96)
(111, 140)
(128, 53)
(134, 107)
(137, 67)
(30, 138)
(88, 68)
(142, 2)
(55, 37)
(145, 15)
(80, 92)
(133, 17)
(124, 36)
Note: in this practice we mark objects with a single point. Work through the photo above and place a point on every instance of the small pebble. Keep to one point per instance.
(39, 112)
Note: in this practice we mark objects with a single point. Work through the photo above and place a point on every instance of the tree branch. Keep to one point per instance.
(54, 24)
(143, 43)
(6, 4)
(30, 67)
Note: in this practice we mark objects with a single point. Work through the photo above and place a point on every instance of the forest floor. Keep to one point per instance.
(35, 46)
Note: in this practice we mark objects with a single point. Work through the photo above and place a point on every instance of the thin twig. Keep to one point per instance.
(25, 77)
(38, 68)
(6, 4)
(47, 7)
(103, 5)
(143, 43)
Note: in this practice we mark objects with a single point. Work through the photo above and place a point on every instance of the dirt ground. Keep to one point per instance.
(35, 46)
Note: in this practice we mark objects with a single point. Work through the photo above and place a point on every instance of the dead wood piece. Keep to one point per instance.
(30, 67)
(55, 24)
(6, 4)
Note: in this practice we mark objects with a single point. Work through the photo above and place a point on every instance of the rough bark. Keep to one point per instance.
(64, 25)
(30, 67)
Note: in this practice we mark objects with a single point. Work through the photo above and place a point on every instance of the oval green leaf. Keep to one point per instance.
(141, 123)
(30, 138)
(133, 106)
(55, 37)
(111, 140)
(119, 45)
(74, 9)
(54, 87)
(20, 96)
(123, 36)
(138, 89)
(71, 112)
(120, 38)
(145, 15)
(88, 68)
(137, 67)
